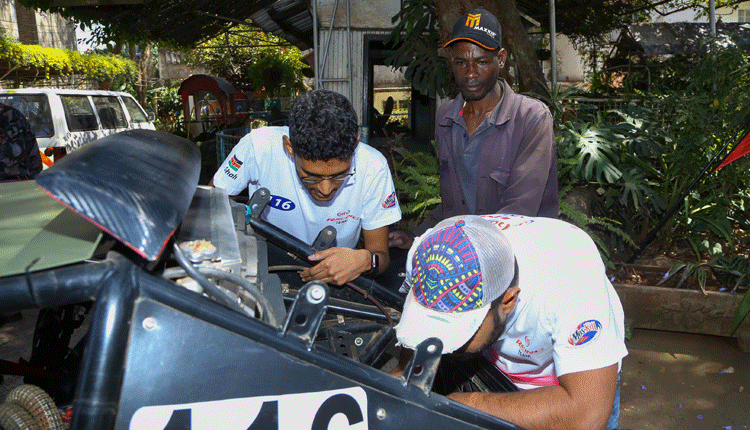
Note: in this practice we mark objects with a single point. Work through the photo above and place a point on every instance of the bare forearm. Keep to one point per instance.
(377, 241)
(384, 260)
(541, 408)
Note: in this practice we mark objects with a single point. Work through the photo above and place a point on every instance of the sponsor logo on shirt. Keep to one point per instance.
(281, 203)
(585, 332)
(389, 201)
(507, 221)
(523, 348)
(342, 217)
(234, 163)
(229, 173)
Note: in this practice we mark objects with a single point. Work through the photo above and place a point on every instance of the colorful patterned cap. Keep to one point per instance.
(454, 272)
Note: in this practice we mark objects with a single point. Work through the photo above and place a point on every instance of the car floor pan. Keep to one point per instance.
(136, 185)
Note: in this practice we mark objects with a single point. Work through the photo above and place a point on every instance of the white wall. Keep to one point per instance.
(53, 31)
(570, 65)
(723, 14)
(362, 14)
(8, 19)
(344, 55)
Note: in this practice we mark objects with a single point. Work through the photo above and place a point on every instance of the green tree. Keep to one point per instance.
(422, 25)
(252, 61)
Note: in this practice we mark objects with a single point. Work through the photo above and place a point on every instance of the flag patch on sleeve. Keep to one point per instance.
(235, 163)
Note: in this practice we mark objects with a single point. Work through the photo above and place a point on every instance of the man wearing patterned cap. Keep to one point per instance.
(496, 148)
(532, 296)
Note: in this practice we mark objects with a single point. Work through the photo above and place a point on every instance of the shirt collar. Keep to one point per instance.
(454, 111)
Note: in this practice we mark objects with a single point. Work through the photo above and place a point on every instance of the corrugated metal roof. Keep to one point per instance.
(289, 19)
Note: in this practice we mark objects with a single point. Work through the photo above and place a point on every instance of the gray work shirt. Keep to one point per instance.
(467, 150)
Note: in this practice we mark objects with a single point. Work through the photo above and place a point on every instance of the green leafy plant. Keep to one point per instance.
(687, 270)
(613, 153)
(705, 114)
(417, 179)
(252, 61)
(731, 271)
(741, 314)
(593, 226)
(416, 40)
(62, 62)
(734, 269)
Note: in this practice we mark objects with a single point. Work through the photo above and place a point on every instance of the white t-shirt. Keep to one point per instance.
(568, 317)
(367, 200)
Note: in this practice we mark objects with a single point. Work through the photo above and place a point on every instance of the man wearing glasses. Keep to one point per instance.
(320, 175)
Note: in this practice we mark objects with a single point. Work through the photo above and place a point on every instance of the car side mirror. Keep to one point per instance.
(150, 114)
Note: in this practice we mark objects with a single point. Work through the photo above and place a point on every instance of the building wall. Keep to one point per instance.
(344, 72)
(54, 31)
(690, 15)
(341, 57)
(362, 14)
(35, 27)
(570, 64)
(172, 67)
(8, 18)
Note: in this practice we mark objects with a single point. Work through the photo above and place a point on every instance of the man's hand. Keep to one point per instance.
(400, 239)
(337, 265)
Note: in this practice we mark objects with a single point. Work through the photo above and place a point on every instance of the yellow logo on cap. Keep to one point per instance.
(472, 20)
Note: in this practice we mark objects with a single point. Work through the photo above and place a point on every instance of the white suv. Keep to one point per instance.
(63, 119)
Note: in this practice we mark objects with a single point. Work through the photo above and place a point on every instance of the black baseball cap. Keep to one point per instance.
(480, 27)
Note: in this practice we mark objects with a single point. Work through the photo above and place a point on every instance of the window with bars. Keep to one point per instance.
(743, 15)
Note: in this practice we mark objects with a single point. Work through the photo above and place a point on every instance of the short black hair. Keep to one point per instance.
(323, 126)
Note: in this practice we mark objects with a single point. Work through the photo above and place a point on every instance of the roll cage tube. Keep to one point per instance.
(302, 250)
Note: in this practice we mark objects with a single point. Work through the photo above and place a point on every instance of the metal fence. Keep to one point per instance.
(226, 140)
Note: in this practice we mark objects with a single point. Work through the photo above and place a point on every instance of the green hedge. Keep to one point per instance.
(61, 62)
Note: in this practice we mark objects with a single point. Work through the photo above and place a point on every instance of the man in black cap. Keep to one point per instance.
(496, 148)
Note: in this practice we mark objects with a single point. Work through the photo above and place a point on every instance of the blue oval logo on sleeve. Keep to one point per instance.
(585, 332)
(281, 203)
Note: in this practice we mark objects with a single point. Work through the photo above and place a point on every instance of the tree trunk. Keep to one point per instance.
(143, 65)
(515, 39)
(146, 71)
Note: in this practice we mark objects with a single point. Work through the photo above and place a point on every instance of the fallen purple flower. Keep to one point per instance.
(700, 417)
(643, 387)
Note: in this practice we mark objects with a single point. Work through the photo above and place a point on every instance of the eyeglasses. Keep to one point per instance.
(312, 180)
